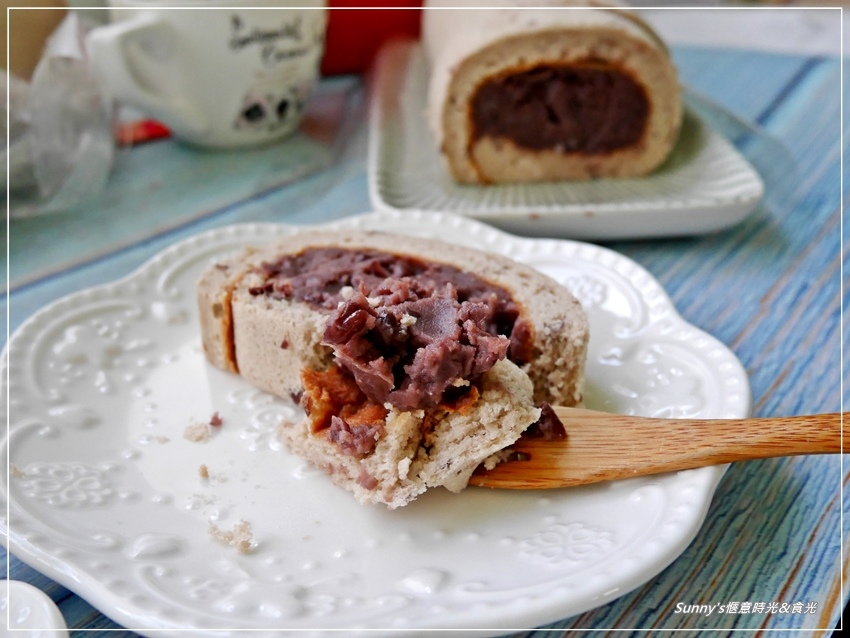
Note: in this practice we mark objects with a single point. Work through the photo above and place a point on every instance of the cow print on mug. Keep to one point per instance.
(263, 109)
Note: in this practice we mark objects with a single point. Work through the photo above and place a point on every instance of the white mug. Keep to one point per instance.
(225, 73)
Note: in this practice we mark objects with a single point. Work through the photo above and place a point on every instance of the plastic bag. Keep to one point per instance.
(61, 144)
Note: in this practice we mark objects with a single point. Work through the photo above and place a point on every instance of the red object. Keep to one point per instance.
(354, 36)
(140, 131)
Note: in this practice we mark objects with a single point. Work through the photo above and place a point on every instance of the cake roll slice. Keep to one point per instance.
(415, 360)
(560, 92)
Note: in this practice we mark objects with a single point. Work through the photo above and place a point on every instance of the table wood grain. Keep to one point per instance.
(771, 288)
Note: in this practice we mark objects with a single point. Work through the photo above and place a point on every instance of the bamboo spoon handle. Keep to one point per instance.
(714, 441)
(602, 447)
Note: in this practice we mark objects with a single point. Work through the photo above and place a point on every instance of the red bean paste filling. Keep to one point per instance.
(548, 427)
(574, 109)
(412, 347)
(412, 333)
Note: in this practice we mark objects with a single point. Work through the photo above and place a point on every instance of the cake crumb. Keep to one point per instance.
(502, 456)
(240, 537)
(196, 432)
(17, 472)
(206, 475)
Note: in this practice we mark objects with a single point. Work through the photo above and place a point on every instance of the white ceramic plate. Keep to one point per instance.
(705, 185)
(107, 499)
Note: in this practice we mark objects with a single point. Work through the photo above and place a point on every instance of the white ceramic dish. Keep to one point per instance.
(107, 499)
(29, 611)
(706, 185)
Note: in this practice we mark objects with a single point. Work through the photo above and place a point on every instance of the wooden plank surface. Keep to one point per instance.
(770, 288)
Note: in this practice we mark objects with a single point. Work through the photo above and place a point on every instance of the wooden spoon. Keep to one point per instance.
(602, 447)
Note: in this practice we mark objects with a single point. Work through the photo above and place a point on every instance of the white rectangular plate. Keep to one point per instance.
(704, 186)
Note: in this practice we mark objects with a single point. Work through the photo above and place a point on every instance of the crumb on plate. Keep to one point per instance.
(197, 432)
(240, 537)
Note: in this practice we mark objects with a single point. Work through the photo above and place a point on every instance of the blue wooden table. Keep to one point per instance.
(770, 288)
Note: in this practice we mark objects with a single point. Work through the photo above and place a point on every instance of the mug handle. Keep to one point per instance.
(107, 49)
